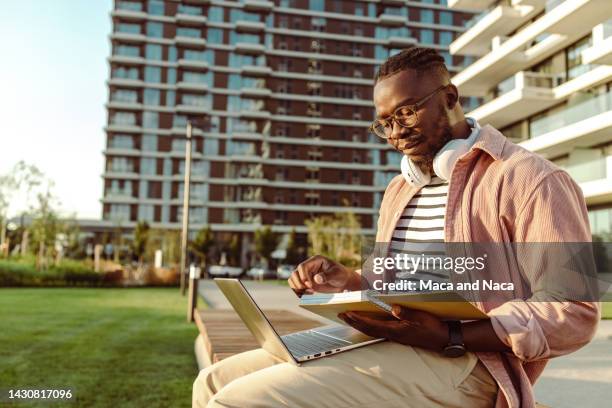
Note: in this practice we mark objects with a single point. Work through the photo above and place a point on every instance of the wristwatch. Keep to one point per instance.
(455, 346)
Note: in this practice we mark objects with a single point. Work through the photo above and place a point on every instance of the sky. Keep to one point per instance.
(53, 68)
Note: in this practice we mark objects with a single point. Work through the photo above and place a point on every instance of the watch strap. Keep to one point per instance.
(455, 336)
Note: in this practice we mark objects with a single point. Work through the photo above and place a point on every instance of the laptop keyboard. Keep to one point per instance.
(307, 343)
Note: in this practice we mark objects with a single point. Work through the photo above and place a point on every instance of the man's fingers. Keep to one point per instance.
(320, 279)
(404, 313)
(304, 275)
(296, 284)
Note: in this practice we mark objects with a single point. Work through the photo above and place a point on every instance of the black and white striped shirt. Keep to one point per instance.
(420, 231)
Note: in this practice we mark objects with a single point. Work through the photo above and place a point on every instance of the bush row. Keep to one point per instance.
(66, 273)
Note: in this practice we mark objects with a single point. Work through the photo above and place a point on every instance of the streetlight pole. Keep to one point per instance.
(186, 186)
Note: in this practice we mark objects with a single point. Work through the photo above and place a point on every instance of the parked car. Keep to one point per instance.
(260, 272)
(284, 271)
(225, 271)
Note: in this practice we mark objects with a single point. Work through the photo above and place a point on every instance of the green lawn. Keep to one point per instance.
(607, 310)
(114, 347)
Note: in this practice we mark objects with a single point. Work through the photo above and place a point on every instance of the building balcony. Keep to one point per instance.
(593, 173)
(255, 92)
(521, 95)
(125, 59)
(470, 4)
(257, 5)
(122, 128)
(255, 70)
(564, 24)
(126, 82)
(187, 63)
(401, 42)
(129, 15)
(250, 48)
(243, 26)
(128, 37)
(190, 19)
(601, 51)
(499, 21)
(200, 109)
(392, 20)
(584, 124)
(124, 105)
(193, 86)
(254, 114)
(190, 41)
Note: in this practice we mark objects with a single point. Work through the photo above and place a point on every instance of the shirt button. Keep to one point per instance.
(397, 214)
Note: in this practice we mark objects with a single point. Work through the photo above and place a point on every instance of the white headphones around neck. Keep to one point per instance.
(444, 161)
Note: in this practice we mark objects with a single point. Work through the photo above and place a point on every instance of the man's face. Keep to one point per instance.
(432, 131)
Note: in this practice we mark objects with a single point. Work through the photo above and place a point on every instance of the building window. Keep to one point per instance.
(153, 52)
(446, 37)
(128, 28)
(147, 166)
(129, 5)
(149, 143)
(172, 53)
(215, 14)
(214, 36)
(145, 213)
(155, 29)
(122, 142)
(427, 16)
(446, 18)
(127, 50)
(188, 32)
(427, 37)
(156, 7)
(575, 67)
(152, 74)
(150, 120)
(151, 96)
(170, 95)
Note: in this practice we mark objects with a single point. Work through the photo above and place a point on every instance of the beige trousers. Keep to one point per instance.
(381, 375)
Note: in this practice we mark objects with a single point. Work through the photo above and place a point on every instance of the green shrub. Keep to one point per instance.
(23, 272)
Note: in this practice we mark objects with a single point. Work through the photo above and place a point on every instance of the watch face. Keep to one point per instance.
(455, 350)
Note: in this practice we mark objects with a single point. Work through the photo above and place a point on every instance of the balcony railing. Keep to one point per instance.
(573, 114)
(595, 169)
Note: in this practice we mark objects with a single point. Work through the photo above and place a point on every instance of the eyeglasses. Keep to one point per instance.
(405, 116)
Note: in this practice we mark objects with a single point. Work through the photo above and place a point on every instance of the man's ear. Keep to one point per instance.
(452, 96)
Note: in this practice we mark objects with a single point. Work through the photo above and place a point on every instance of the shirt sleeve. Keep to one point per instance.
(550, 323)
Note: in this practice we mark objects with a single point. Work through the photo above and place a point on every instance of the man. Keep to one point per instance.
(486, 189)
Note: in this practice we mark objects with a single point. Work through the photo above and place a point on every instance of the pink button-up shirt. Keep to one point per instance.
(500, 192)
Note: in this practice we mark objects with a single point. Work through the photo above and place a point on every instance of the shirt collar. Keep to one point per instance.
(488, 139)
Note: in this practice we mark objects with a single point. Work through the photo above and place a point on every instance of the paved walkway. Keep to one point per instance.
(268, 295)
(582, 379)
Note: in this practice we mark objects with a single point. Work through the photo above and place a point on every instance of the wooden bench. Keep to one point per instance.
(223, 334)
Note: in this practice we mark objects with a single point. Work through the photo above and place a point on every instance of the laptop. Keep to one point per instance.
(296, 347)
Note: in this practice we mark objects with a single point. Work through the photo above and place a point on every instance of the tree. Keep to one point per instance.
(265, 242)
(45, 227)
(293, 254)
(141, 237)
(202, 244)
(21, 180)
(336, 237)
(233, 251)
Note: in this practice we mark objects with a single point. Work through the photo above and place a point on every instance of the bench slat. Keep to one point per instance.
(224, 333)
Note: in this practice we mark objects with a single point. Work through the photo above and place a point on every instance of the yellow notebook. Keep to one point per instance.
(446, 305)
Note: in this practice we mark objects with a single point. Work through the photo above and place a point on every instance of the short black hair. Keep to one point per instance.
(421, 59)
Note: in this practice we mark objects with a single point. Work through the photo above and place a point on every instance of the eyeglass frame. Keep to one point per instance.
(413, 107)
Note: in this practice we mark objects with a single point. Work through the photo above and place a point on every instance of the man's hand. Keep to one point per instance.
(409, 326)
(320, 274)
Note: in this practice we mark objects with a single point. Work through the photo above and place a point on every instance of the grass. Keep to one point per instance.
(606, 312)
(113, 347)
